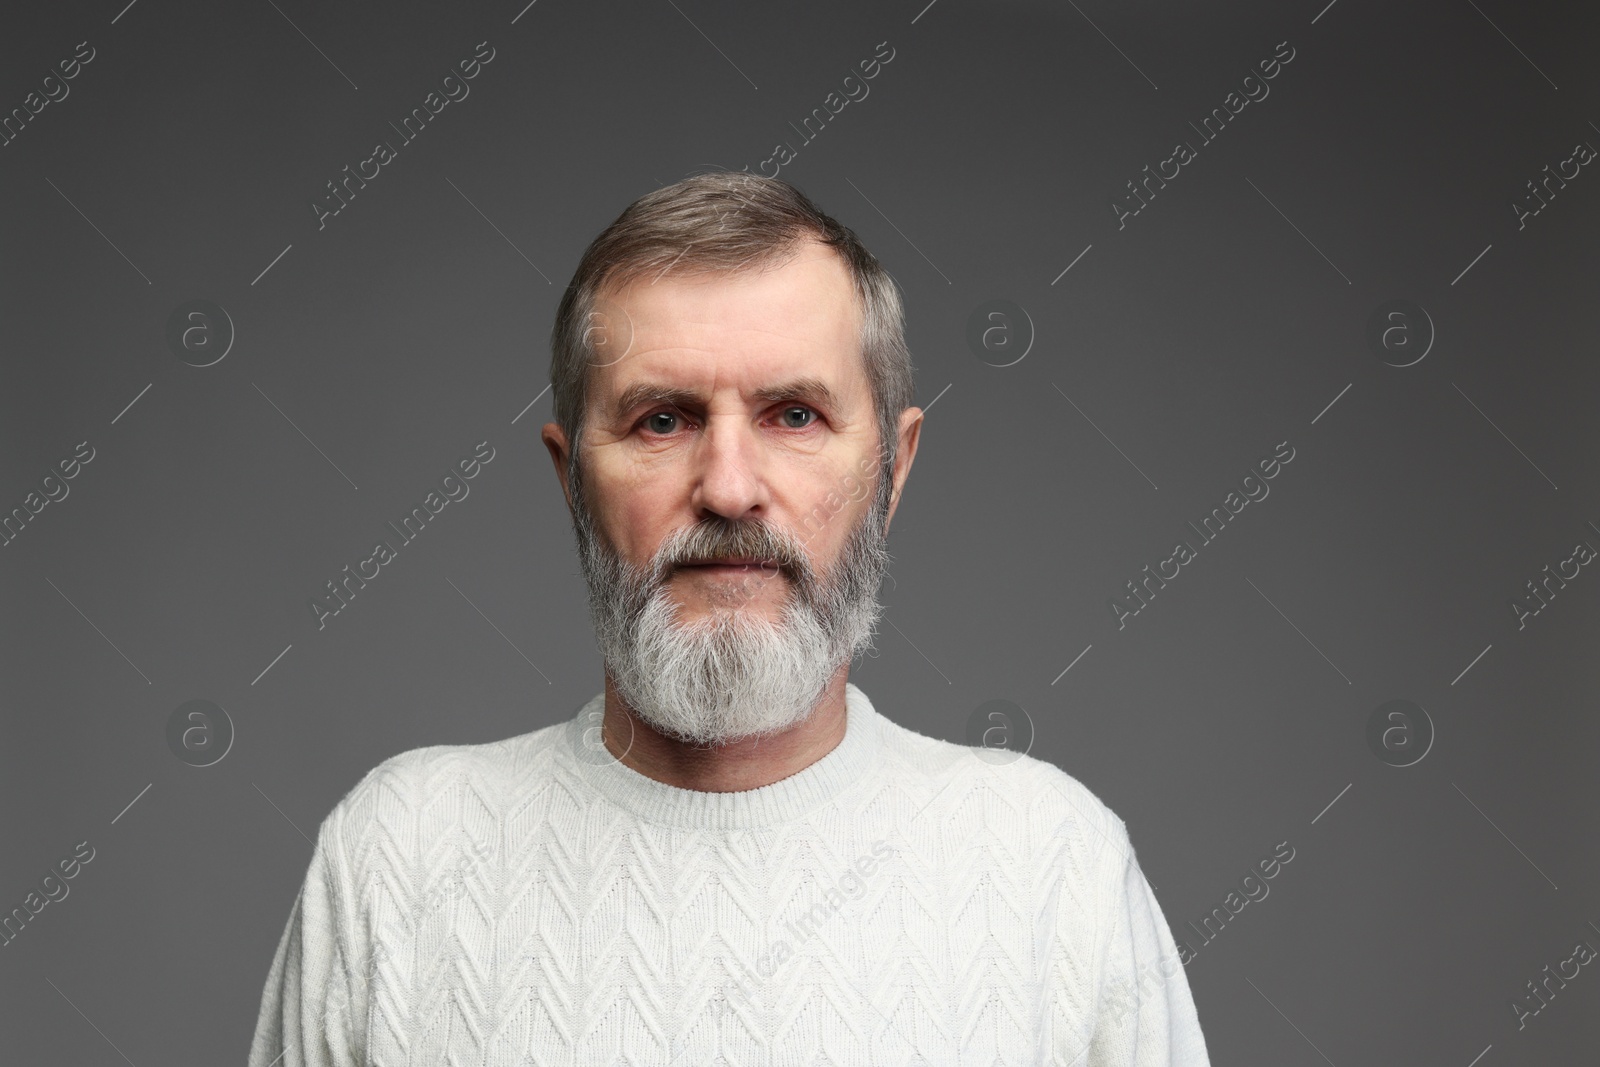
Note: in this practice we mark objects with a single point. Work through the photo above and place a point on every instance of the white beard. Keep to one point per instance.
(734, 673)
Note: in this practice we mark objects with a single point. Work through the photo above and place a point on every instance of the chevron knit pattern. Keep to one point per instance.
(903, 900)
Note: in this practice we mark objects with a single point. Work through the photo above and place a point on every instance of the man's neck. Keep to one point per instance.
(734, 767)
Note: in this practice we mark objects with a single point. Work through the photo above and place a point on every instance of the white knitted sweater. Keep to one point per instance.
(903, 900)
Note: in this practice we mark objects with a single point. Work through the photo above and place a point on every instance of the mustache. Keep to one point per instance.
(718, 538)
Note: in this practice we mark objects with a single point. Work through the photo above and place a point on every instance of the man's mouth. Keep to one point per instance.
(730, 564)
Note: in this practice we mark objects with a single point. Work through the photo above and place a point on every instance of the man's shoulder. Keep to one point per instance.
(1013, 793)
(409, 785)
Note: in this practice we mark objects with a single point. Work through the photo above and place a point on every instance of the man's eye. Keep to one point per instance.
(795, 417)
(802, 411)
(661, 421)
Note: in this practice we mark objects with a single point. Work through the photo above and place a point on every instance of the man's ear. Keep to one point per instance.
(910, 432)
(555, 439)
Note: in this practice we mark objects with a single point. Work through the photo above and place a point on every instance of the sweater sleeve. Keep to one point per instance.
(1145, 1014)
(313, 1009)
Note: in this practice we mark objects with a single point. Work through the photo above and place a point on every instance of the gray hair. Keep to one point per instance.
(728, 221)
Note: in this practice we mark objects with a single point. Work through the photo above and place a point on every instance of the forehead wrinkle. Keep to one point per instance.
(682, 331)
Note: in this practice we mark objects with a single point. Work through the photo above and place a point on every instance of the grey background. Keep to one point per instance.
(1228, 316)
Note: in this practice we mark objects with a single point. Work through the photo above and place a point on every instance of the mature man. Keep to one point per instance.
(728, 855)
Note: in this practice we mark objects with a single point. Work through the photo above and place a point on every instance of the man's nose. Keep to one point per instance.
(729, 471)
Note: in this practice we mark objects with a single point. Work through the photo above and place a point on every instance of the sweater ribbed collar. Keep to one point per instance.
(768, 805)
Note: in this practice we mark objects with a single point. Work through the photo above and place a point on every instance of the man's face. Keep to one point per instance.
(738, 425)
(735, 442)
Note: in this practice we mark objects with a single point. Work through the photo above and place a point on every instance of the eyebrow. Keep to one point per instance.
(811, 390)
